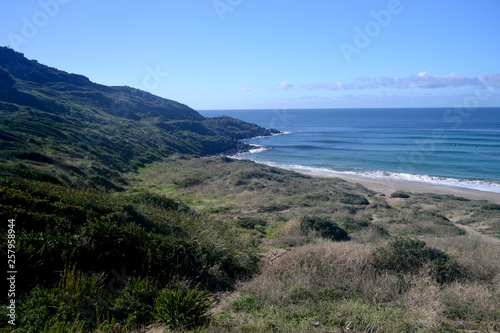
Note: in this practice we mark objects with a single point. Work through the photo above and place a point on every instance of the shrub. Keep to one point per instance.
(144, 233)
(353, 199)
(350, 224)
(135, 303)
(249, 303)
(273, 208)
(156, 200)
(491, 207)
(407, 255)
(189, 181)
(183, 307)
(22, 171)
(400, 194)
(324, 227)
(250, 223)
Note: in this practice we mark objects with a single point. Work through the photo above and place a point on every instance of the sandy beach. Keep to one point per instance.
(388, 186)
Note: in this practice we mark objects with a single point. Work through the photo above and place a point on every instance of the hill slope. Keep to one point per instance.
(88, 134)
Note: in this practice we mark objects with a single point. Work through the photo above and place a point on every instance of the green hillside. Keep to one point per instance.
(87, 134)
(88, 255)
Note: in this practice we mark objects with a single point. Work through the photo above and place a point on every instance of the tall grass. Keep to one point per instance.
(129, 245)
(181, 307)
(319, 285)
(479, 257)
(346, 276)
(72, 303)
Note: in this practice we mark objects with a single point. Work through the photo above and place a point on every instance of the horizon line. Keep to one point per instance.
(350, 108)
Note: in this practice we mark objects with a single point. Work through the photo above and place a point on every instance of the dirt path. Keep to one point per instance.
(470, 230)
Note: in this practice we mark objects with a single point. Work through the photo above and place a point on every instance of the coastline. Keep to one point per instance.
(389, 186)
(243, 147)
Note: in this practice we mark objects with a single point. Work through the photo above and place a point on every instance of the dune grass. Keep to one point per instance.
(90, 260)
(450, 280)
(345, 258)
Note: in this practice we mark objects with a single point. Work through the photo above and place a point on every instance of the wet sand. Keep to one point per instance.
(388, 186)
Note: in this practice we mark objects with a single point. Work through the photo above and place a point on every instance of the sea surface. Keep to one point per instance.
(454, 147)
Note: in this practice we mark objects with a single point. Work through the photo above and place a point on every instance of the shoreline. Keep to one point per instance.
(243, 147)
(389, 186)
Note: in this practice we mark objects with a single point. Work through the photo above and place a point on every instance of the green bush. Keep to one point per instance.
(151, 238)
(407, 255)
(324, 227)
(491, 207)
(273, 208)
(155, 200)
(189, 181)
(353, 199)
(351, 224)
(400, 194)
(181, 307)
(250, 223)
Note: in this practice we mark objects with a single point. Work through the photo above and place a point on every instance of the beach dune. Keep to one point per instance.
(389, 186)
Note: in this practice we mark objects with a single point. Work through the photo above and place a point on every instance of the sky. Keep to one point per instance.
(279, 54)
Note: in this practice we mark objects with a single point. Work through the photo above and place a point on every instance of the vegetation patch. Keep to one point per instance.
(251, 223)
(273, 208)
(146, 239)
(181, 307)
(353, 199)
(248, 303)
(400, 194)
(491, 207)
(324, 227)
(407, 255)
(189, 181)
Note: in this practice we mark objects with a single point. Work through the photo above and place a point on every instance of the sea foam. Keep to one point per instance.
(480, 185)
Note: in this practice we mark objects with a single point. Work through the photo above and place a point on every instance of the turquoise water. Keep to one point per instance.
(456, 147)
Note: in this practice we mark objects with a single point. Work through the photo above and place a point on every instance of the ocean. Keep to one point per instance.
(445, 146)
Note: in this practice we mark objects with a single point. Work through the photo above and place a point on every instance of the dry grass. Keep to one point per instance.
(341, 269)
(291, 235)
(336, 284)
(478, 255)
(336, 273)
(424, 301)
(472, 303)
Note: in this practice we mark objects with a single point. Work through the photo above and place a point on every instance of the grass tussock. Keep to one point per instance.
(335, 269)
(182, 307)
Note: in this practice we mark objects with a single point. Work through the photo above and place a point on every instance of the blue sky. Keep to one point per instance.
(242, 54)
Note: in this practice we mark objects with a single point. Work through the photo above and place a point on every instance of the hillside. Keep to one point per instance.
(87, 134)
